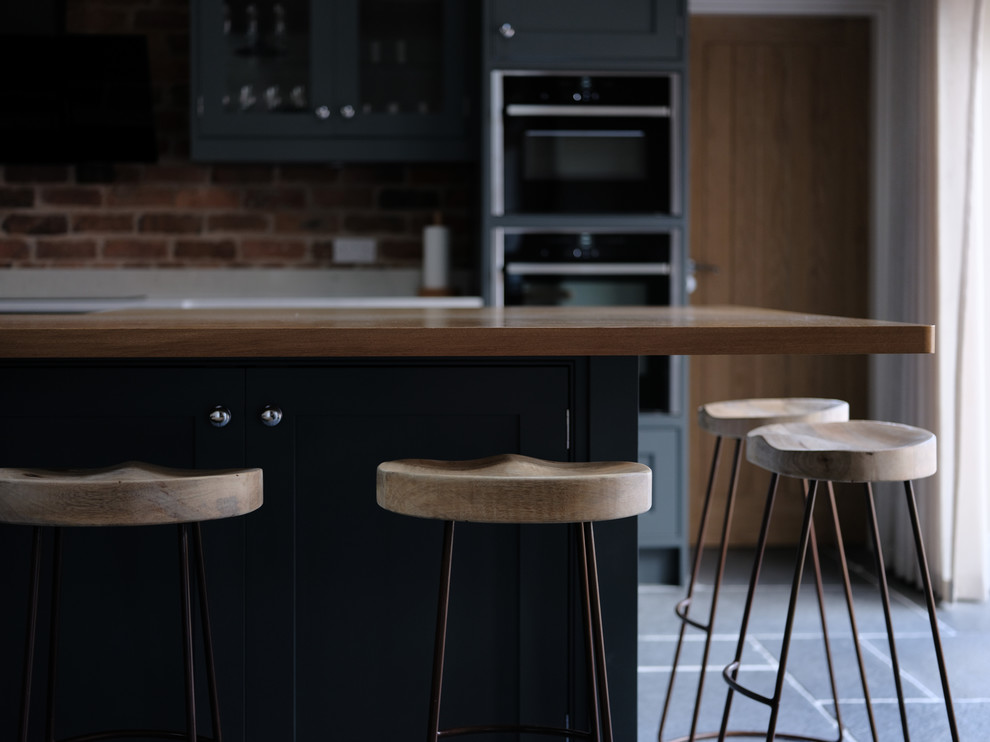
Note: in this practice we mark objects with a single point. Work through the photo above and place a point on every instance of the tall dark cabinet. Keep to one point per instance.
(584, 183)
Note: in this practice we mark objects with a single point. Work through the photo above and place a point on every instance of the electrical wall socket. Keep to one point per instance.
(355, 250)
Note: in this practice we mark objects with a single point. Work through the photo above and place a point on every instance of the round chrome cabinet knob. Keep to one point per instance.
(347, 112)
(507, 30)
(322, 112)
(219, 416)
(270, 416)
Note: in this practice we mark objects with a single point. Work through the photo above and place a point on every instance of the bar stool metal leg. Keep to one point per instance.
(885, 601)
(53, 631)
(847, 589)
(806, 531)
(816, 565)
(204, 611)
(930, 604)
(600, 725)
(684, 606)
(440, 641)
(185, 575)
(730, 672)
(930, 601)
(32, 626)
(187, 640)
(807, 540)
(590, 643)
(602, 713)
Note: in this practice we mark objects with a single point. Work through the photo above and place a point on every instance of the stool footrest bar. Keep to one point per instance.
(134, 733)
(516, 729)
(756, 734)
(681, 610)
(735, 685)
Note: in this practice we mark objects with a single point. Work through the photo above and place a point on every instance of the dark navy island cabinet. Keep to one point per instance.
(349, 80)
(584, 32)
(323, 604)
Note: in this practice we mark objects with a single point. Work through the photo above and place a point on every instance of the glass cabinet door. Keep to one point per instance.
(401, 58)
(322, 80)
(402, 72)
(266, 60)
(258, 69)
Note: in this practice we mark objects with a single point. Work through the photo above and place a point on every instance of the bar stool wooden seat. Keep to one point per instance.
(130, 494)
(734, 419)
(519, 489)
(860, 451)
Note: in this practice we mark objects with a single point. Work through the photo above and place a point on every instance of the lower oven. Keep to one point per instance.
(599, 267)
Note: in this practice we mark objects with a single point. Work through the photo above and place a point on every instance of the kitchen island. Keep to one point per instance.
(323, 603)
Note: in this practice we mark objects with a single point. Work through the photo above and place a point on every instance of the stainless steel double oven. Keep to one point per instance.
(584, 197)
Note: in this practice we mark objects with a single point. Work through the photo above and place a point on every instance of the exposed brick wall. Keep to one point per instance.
(177, 213)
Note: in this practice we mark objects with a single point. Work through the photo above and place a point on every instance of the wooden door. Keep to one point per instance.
(780, 206)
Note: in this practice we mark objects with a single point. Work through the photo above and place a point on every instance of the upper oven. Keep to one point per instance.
(569, 143)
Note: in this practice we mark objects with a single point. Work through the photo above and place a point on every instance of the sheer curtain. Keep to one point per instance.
(931, 266)
(964, 281)
(905, 266)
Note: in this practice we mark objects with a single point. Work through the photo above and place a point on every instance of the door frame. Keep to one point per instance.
(884, 146)
(902, 181)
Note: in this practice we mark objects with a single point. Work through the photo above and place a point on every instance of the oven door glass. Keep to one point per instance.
(586, 290)
(571, 164)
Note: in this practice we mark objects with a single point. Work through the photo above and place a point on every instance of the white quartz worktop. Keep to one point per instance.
(106, 304)
(94, 290)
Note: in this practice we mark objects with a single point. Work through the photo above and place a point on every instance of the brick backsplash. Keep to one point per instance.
(178, 213)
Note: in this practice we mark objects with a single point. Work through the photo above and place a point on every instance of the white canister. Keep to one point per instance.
(436, 257)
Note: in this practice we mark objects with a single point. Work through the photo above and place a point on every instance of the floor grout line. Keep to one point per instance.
(761, 639)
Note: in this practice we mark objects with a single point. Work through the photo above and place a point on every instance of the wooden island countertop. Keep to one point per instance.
(450, 332)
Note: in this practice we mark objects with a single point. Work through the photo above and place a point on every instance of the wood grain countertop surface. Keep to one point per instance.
(450, 332)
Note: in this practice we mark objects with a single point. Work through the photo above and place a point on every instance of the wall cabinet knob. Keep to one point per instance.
(270, 416)
(347, 112)
(219, 416)
(322, 112)
(507, 30)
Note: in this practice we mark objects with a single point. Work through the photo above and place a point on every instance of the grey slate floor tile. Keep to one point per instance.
(807, 706)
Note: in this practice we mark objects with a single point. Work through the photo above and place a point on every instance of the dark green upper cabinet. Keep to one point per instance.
(552, 34)
(349, 80)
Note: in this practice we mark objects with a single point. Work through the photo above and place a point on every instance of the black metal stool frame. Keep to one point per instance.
(682, 608)
(191, 734)
(600, 724)
(730, 672)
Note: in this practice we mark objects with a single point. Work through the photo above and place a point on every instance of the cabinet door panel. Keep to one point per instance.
(585, 32)
(348, 591)
(120, 585)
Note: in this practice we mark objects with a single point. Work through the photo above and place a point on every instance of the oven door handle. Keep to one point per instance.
(523, 109)
(588, 269)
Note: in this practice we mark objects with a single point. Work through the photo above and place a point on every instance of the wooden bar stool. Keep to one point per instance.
(734, 419)
(519, 489)
(131, 494)
(860, 451)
